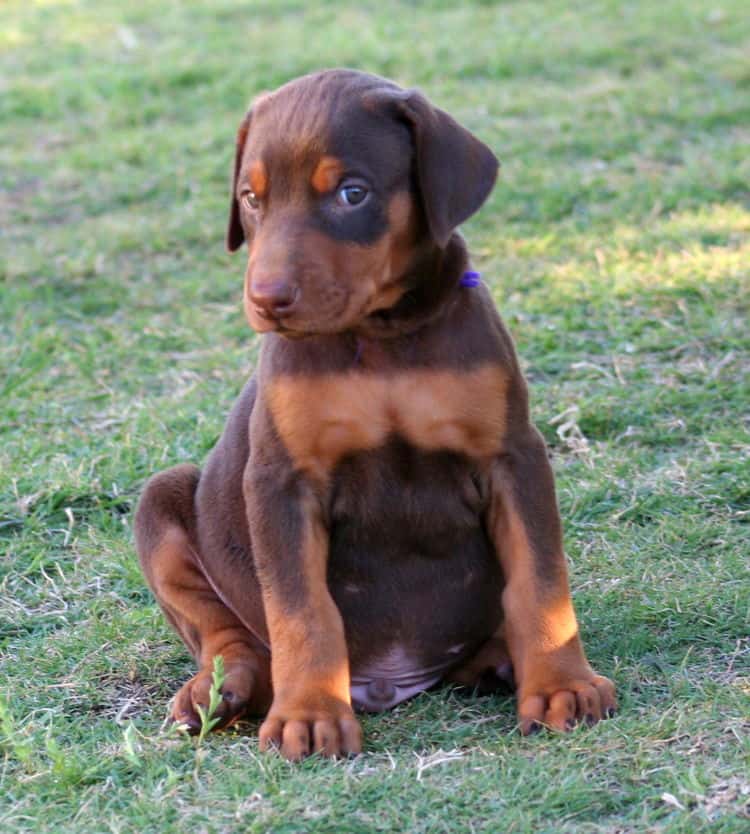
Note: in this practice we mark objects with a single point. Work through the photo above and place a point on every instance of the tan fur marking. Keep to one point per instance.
(257, 176)
(402, 233)
(321, 419)
(540, 623)
(327, 174)
(309, 658)
(402, 222)
(309, 661)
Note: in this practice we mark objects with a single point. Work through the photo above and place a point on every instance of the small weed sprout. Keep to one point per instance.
(12, 738)
(208, 721)
(130, 745)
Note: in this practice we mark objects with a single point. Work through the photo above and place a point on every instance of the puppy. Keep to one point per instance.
(379, 514)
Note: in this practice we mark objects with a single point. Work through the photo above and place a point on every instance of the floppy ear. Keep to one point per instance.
(235, 232)
(456, 171)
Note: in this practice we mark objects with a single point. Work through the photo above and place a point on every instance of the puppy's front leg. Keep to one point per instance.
(556, 685)
(311, 710)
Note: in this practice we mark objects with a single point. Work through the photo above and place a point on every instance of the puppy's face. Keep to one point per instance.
(329, 195)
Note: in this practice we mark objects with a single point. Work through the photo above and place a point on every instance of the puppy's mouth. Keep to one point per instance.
(351, 311)
(263, 323)
(300, 323)
(294, 327)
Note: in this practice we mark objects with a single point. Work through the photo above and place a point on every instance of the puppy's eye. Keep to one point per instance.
(352, 195)
(250, 199)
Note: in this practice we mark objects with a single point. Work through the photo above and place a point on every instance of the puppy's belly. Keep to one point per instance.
(411, 569)
(397, 675)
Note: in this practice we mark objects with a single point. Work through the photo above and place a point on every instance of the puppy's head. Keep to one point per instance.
(341, 181)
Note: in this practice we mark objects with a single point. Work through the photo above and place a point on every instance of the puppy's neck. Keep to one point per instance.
(430, 286)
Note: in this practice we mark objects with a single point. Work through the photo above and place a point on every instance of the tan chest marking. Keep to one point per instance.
(322, 418)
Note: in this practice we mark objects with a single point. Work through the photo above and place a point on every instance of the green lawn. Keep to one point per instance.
(617, 243)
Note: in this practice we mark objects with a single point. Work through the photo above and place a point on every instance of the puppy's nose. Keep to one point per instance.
(273, 298)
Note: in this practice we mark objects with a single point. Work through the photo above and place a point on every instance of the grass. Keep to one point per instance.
(618, 247)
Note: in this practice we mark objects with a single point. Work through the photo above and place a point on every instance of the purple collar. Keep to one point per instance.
(471, 278)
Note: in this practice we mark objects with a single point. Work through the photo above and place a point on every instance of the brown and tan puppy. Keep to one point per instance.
(379, 514)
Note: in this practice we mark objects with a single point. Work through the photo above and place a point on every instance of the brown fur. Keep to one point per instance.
(379, 513)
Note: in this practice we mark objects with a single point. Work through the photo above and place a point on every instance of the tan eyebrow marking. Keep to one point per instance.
(258, 178)
(327, 174)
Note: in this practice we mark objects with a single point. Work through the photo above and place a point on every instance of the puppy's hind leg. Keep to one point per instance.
(488, 670)
(167, 548)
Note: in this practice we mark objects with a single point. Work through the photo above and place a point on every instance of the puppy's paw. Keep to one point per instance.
(562, 703)
(236, 692)
(324, 725)
(489, 670)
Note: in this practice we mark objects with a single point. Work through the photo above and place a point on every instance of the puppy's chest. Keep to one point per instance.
(323, 418)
